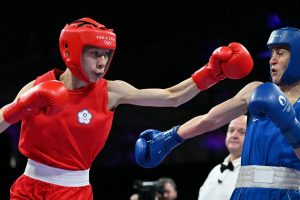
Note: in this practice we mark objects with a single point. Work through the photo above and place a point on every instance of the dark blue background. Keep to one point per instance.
(159, 44)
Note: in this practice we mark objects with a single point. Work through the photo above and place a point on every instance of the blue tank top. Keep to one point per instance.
(265, 145)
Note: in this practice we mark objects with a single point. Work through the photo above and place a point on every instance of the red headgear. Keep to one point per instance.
(79, 34)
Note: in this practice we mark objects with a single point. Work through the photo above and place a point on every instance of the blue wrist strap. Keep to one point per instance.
(172, 139)
(292, 134)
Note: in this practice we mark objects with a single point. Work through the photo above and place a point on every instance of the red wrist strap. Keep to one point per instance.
(202, 79)
(11, 113)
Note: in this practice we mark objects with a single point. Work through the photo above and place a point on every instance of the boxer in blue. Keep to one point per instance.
(270, 166)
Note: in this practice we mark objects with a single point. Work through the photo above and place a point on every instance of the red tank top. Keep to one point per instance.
(74, 137)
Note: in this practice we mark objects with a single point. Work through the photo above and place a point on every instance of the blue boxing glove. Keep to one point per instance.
(268, 100)
(153, 146)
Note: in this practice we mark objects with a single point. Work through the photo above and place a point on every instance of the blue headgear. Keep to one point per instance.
(289, 37)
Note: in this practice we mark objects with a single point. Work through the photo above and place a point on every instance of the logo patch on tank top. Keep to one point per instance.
(285, 103)
(84, 117)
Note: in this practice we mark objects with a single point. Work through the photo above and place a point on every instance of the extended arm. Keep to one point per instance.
(153, 145)
(232, 61)
(123, 93)
(219, 115)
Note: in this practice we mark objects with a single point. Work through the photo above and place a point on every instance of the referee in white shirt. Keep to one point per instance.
(221, 180)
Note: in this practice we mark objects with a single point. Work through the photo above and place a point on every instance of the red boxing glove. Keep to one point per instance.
(240, 64)
(48, 97)
(232, 62)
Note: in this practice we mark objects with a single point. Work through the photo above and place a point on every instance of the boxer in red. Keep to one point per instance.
(67, 115)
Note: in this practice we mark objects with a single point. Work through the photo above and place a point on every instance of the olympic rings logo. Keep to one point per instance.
(108, 42)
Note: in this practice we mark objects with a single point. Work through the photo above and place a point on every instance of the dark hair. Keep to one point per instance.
(162, 181)
(147, 190)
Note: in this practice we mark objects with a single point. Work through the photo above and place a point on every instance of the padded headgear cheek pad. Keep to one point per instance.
(79, 34)
(290, 37)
